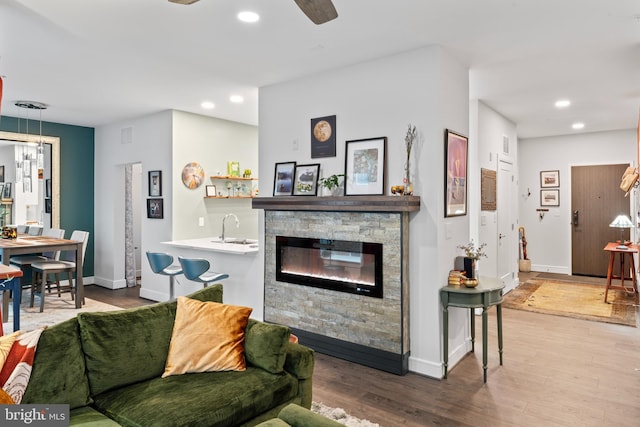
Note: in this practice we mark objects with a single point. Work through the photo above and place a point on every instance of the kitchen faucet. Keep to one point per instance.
(224, 219)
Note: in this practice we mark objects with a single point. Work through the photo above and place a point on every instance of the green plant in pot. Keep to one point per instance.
(332, 183)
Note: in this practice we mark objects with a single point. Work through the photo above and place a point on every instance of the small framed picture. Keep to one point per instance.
(323, 137)
(47, 205)
(305, 180)
(6, 193)
(283, 179)
(154, 208)
(365, 166)
(1, 173)
(211, 191)
(549, 197)
(155, 183)
(47, 188)
(549, 179)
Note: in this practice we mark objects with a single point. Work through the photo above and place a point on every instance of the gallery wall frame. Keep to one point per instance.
(365, 166)
(323, 137)
(211, 191)
(283, 178)
(550, 197)
(305, 180)
(155, 183)
(488, 186)
(455, 180)
(549, 179)
(155, 208)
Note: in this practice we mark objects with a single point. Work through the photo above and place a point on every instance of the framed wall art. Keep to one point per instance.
(211, 191)
(549, 179)
(323, 137)
(549, 197)
(1, 173)
(365, 166)
(154, 208)
(488, 186)
(283, 178)
(155, 183)
(305, 180)
(455, 194)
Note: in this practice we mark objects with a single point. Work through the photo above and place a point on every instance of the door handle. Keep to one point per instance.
(575, 217)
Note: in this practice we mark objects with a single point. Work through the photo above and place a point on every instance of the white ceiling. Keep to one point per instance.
(96, 62)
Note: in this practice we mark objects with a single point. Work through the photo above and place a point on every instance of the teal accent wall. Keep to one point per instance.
(76, 175)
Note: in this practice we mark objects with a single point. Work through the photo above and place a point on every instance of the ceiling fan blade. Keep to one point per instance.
(319, 11)
(183, 1)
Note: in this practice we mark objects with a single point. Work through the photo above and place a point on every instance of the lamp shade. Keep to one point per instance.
(621, 221)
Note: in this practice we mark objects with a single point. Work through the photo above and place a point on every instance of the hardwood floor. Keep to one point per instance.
(557, 372)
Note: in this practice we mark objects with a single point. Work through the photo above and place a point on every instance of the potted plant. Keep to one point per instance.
(332, 184)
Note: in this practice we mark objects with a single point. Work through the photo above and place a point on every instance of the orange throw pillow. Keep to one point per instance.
(207, 337)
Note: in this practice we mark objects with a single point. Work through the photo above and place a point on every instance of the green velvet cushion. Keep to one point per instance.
(127, 346)
(275, 422)
(58, 374)
(89, 417)
(226, 398)
(265, 345)
(297, 416)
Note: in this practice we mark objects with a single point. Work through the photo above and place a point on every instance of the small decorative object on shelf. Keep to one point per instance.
(233, 169)
(409, 139)
(247, 173)
(332, 184)
(472, 255)
(397, 189)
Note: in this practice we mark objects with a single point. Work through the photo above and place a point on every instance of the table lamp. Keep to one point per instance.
(622, 222)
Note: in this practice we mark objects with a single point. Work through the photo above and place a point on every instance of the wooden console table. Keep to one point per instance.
(614, 248)
(486, 294)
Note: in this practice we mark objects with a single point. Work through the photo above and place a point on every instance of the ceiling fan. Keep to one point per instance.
(319, 11)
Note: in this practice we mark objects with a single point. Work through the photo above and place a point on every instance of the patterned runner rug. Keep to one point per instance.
(571, 299)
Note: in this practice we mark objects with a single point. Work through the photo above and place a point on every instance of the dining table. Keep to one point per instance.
(25, 244)
(10, 281)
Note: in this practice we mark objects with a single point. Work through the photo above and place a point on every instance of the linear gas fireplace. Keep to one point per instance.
(344, 266)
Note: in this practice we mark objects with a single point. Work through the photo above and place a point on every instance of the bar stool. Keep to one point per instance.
(197, 270)
(160, 263)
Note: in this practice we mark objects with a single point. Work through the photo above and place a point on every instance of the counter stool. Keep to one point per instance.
(160, 263)
(196, 269)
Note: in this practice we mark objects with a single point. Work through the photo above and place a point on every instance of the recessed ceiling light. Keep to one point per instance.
(236, 99)
(562, 103)
(247, 16)
(577, 125)
(208, 105)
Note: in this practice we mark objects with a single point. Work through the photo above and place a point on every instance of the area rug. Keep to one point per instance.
(571, 299)
(56, 310)
(339, 415)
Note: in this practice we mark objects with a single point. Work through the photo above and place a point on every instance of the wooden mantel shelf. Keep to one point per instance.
(339, 204)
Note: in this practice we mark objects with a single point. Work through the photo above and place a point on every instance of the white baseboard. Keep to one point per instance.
(109, 284)
(550, 269)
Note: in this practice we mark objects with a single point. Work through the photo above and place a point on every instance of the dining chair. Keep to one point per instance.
(160, 263)
(197, 270)
(25, 261)
(22, 229)
(34, 230)
(65, 264)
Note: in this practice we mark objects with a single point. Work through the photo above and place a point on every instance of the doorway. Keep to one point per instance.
(507, 241)
(595, 201)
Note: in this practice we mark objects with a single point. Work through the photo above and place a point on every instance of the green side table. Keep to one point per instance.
(486, 294)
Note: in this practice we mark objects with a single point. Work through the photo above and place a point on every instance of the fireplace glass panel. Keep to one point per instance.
(345, 266)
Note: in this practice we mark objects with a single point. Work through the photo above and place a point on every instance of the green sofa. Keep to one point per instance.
(107, 366)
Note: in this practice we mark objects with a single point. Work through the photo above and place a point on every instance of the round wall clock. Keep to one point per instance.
(192, 175)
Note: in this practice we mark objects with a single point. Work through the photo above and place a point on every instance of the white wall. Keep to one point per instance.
(426, 88)
(487, 130)
(549, 239)
(165, 141)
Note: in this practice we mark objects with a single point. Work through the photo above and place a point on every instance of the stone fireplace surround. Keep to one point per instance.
(370, 331)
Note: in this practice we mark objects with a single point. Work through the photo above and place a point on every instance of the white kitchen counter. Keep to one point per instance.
(240, 261)
(214, 244)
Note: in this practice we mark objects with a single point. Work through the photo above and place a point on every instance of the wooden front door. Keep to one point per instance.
(596, 199)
